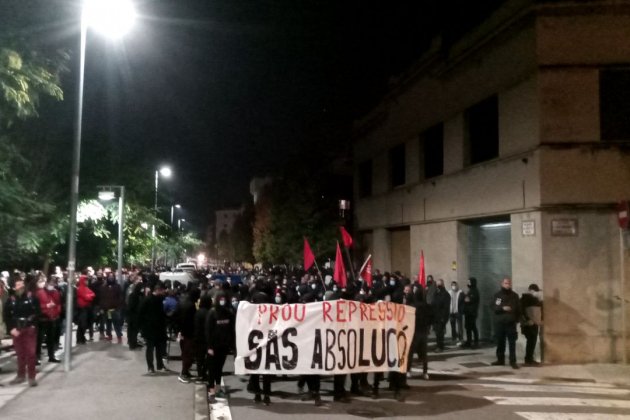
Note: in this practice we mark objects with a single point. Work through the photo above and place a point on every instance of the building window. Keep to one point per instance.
(432, 151)
(397, 168)
(365, 179)
(482, 131)
(614, 104)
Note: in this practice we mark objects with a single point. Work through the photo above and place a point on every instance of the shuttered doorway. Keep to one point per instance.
(490, 259)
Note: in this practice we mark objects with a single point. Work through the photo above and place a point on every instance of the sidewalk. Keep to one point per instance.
(107, 381)
(476, 362)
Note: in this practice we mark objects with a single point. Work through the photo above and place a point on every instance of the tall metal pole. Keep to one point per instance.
(121, 224)
(172, 214)
(153, 228)
(74, 202)
(622, 268)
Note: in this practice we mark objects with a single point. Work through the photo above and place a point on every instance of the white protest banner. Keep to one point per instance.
(323, 338)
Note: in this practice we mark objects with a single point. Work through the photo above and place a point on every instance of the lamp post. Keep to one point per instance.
(106, 195)
(179, 224)
(166, 172)
(112, 18)
(173, 207)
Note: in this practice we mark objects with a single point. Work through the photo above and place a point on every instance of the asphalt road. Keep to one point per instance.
(487, 392)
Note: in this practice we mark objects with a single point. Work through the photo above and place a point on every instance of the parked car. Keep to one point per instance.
(188, 266)
(183, 276)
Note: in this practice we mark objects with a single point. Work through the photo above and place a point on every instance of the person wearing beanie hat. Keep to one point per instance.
(470, 308)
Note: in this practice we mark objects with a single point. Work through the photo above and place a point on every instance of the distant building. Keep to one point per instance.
(257, 186)
(224, 221)
(504, 153)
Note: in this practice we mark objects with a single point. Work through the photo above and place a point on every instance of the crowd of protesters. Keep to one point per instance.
(201, 315)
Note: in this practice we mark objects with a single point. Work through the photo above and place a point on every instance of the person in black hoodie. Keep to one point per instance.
(152, 322)
(220, 340)
(133, 297)
(260, 294)
(441, 309)
(21, 312)
(470, 309)
(201, 346)
(506, 308)
(421, 333)
(184, 318)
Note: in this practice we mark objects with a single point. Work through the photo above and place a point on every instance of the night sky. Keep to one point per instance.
(223, 90)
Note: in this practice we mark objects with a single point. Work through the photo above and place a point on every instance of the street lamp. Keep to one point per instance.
(166, 172)
(179, 224)
(107, 194)
(117, 16)
(173, 207)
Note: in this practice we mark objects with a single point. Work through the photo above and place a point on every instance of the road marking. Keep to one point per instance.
(558, 401)
(221, 409)
(572, 416)
(552, 388)
(542, 381)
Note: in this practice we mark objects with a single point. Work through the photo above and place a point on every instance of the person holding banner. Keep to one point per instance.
(339, 381)
(260, 295)
(392, 292)
(313, 382)
(423, 325)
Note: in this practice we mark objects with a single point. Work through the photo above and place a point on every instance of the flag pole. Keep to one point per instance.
(363, 266)
(320, 274)
(354, 277)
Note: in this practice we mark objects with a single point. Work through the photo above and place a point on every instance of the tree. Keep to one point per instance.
(29, 72)
(292, 208)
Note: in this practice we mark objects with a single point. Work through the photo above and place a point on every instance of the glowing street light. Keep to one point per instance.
(173, 207)
(113, 18)
(166, 172)
(106, 194)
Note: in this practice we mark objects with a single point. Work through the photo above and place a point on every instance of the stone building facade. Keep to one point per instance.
(505, 155)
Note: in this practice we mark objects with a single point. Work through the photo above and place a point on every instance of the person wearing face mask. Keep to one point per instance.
(531, 321)
(201, 347)
(506, 308)
(220, 341)
(253, 386)
(50, 310)
(470, 309)
(441, 310)
(455, 316)
(234, 303)
(20, 313)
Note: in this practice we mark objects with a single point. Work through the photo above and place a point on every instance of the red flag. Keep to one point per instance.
(366, 271)
(309, 257)
(421, 276)
(347, 239)
(340, 269)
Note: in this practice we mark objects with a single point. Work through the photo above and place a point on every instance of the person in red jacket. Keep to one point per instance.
(85, 297)
(50, 309)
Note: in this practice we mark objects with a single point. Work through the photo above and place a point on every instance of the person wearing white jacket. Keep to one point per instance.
(455, 316)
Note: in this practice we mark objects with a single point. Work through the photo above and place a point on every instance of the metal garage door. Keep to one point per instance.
(490, 259)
